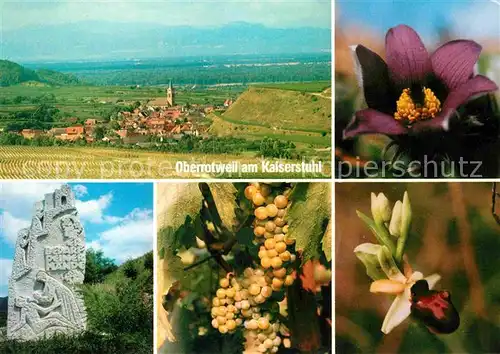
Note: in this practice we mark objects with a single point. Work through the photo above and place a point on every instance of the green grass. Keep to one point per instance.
(85, 101)
(317, 86)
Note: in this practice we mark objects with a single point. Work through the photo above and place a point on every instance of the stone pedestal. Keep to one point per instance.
(49, 264)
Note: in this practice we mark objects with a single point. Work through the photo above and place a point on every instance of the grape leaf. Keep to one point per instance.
(175, 202)
(224, 195)
(308, 217)
(327, 242)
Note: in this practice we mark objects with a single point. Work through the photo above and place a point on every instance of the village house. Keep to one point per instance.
(31, 133)
(74, 133)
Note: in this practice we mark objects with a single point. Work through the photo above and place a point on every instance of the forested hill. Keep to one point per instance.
(13, 74)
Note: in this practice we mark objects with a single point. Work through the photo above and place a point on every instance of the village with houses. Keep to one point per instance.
(159, 119)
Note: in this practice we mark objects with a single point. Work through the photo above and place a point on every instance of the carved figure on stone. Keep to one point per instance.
(23, 261)
(48, 266)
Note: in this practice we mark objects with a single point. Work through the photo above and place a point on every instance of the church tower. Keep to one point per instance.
(170, 95)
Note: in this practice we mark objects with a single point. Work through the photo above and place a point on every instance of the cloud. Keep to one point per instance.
(130, 238)
(19, 197)
(10, 226)
(80, 191)
(5, 270)
(94, 210)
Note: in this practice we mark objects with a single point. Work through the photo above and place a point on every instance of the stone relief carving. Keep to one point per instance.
(49, 264)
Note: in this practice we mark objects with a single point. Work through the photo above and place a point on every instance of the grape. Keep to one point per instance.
(223, 329)
(287, 343)
(280, 247)
(279, 237)
(271, 253)
(221, 293)
(258, 199)
(263, 323)
(272, 210)
(277, 283)
(265, 190)
(252, 324)
(250, 192)
(270, 226)
(289, 280)
(276, 262)
(259, 231)
(285, 256)
(224, 282)
(261, 213)
(279, 222)
(231, 325)
(230, 292)
(254, 289)
(280, 273)
(270, 243)
(268, 235)
(215, 323)
(281, 201)
(265, 262)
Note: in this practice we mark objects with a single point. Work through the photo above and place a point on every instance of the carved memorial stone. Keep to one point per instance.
(49, 263)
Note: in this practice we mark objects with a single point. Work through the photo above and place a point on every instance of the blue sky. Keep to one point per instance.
(273, 13)
(467, 18)
(117, 218)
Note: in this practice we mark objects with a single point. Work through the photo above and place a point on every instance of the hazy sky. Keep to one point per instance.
(467, 18)
(273, 13)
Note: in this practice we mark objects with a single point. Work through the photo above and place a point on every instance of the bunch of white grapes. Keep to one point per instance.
(270, 230)
(237, 299)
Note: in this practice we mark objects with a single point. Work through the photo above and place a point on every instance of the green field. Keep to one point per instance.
(316, 86)
(29, 162)
(96, 101)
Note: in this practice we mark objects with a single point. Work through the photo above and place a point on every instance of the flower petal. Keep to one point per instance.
(370, 121)
(472, 88)
(387, 286)
(406, 56)
(398, 312)
(454, 62)
(373, 78)
(367, 254)
(432, 280)
(476, 86)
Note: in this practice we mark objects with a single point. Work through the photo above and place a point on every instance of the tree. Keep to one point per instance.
(99, 132)
(97, 266)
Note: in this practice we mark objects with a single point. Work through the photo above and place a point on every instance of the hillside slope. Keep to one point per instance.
(13, 74)
(281, 109)
(277, 113)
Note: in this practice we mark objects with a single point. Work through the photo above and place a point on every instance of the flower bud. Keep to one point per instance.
(395, 224)
(405, 216)
(381, 210)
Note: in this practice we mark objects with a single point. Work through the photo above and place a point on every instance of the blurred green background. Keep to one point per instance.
(454, 234)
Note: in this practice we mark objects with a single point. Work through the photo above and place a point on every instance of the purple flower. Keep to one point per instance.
(414, 92)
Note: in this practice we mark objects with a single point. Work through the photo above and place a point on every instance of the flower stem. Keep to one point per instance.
(400, 248)
(380, 232)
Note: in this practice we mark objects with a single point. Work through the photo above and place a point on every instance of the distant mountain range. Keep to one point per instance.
(12, 74)
(113, 41)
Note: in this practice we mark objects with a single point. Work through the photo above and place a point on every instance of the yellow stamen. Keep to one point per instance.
(410, 111)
